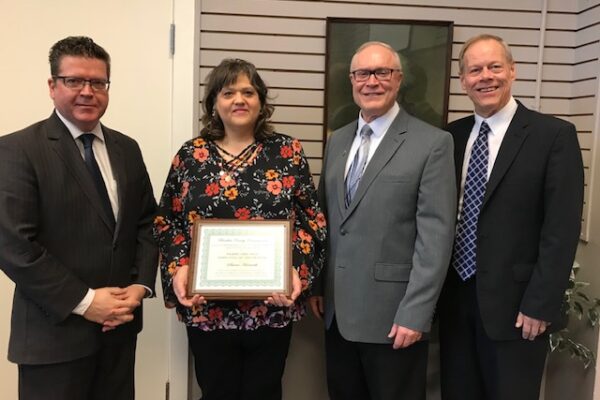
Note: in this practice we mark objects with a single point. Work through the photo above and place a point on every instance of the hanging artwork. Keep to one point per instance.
(425, 49)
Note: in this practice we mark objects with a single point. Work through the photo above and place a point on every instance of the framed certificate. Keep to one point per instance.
(234, 259)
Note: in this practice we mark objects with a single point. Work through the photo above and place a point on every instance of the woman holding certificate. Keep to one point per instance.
(238, 169)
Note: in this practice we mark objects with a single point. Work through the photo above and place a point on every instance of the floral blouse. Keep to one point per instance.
(276, 184)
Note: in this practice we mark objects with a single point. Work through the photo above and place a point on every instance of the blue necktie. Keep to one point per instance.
(358, 163)
(90, 162)
(465, 243)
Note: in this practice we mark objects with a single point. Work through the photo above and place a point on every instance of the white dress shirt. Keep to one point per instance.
(498, 124)
(101, 155)
(379, 126)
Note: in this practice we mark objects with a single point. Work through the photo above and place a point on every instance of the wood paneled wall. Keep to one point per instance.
(285, 39)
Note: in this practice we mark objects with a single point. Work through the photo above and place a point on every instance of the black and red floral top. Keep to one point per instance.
(276, 184)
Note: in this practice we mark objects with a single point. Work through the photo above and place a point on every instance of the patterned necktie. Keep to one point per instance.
(358, 163)
(465, 243)
(90, 161)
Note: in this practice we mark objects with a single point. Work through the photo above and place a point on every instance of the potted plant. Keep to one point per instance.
(579, 305)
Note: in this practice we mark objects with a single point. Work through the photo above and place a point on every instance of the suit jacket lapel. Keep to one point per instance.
(386, 149)
(512, 142)
(62, 142)
(339, 165)
(461, 135)
(117, 164)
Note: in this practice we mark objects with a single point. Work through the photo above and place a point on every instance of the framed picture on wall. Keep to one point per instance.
(425, 49)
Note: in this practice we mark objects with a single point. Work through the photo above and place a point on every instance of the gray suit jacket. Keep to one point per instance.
(56, 240)
(388, 252)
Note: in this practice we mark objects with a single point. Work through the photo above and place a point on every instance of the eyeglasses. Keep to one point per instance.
(73, 82)
(382, 74)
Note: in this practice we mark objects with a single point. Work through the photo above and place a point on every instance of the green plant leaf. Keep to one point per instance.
(593, 316)
(583, 296)
(577, 304)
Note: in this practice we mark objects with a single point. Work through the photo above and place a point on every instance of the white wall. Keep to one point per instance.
(136, 36)
(286, 40)
(565, 376)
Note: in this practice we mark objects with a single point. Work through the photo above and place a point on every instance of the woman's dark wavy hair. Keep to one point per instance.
(224, 74)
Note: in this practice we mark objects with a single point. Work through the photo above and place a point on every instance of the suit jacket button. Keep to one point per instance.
(343, 232)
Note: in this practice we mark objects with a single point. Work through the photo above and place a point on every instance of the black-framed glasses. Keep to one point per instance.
(76, 83)
(382, 74)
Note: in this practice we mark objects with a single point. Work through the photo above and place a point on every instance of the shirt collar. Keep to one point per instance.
(499, 119)
(76, 132)
(380, 125)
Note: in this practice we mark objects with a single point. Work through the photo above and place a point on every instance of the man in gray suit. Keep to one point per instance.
(76, 210)
(388, 188)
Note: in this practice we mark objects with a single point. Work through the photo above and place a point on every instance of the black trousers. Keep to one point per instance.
(107, 374)
(367, 371)
(475, 367)
(240, 365)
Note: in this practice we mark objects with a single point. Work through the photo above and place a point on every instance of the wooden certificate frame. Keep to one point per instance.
(234, 259)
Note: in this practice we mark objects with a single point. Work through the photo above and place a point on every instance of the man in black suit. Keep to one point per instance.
(516, 235)
(76, 210)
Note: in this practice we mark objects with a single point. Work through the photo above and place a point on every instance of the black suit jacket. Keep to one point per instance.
(529, 223)
(56, 241)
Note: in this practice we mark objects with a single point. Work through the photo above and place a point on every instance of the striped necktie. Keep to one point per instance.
(358, 163)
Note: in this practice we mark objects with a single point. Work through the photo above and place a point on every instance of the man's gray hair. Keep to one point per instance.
(382, 44)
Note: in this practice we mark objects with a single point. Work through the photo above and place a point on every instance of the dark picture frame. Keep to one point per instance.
(425, 49)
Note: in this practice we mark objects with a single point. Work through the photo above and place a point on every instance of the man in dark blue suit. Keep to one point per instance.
(76, 210)
(520, 178)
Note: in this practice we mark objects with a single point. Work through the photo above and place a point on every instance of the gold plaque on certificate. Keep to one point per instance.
(234, 259)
